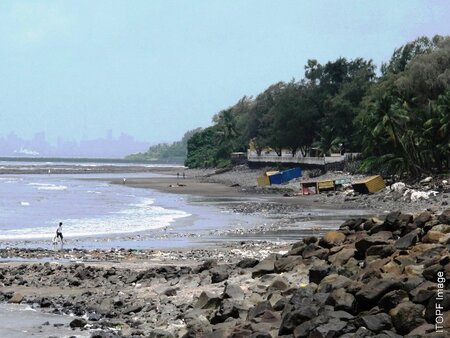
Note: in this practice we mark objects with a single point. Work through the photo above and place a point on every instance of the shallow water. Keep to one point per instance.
(21, 321)
(97, 214)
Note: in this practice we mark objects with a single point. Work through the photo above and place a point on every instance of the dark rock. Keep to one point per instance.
(78, 322)
(94, 317)
(279, 283)
(382, 251)
(160, 334)
(219, 275)
(259, 309)
(134, 308)
(313, 250)
(372, 292)
(444, 217)
(422, 219)
(393, 219)
(333, 328)
(297, 250)
(332, 282)
(430, 311)
(233, 291)
(286, 264)
(226, 310)
(365, 243)
(264, 267)
(422, 296)
(353, 224)
(206, 265)
(247, 263)
(318, 271)
(207, 300)
(387, 334)
(342, 300)
(431, 272)
(297, 317)
(407, 316)
(280, 304)
(260, 335)
(342, 256)
(308, 240)
(392, 299)
(376, 323)
(424, 330)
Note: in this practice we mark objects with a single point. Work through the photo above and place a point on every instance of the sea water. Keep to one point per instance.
(31, 206)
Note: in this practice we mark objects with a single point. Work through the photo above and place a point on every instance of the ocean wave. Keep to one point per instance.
(48, 186)
(138, 217)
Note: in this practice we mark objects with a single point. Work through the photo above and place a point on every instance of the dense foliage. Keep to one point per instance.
(398, 120)
(174, 152)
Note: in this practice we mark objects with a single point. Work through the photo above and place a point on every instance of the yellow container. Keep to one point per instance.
(325, 185)
(263, 181)
(369, 185)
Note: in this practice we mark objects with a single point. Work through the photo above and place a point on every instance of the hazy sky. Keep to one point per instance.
(154, 69)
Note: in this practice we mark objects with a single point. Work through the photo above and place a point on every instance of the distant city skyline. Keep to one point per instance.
(155, 69)
(107, 146)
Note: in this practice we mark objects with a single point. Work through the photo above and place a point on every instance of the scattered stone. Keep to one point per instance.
(78, 323)
(16, 298)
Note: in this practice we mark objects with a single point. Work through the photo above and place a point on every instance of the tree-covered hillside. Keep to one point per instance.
(173, 152)
(399, 120)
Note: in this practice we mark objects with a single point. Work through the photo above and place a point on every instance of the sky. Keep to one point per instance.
(155, 69)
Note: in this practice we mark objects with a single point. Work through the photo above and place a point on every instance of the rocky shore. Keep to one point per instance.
(371, 278)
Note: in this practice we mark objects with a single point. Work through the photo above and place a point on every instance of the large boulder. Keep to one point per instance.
(219, 274)
(392, 299)
(407, 316)
(408, 240)
(372, 292)
(444, 217)
(233, 291)
(381, 251)
(78, 323)
(332, 282)
(286, 264)
(342, 256)
(318, 271)
(376, 323)
(342, 300)
(207, 300)
(247, 263)
(294, 318)
(365, 243)
(264, 267)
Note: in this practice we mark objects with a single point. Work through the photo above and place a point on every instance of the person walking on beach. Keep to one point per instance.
(59, 234)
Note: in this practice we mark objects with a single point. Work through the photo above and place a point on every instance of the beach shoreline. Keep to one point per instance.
(175, 292)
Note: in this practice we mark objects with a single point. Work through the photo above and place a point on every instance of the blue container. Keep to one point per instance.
(285, 176)
(290, 174)
(276, 179)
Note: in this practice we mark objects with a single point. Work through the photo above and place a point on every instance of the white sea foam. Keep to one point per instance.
(10, 179)
(25, 204)
(48, 186)
(136, 218)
